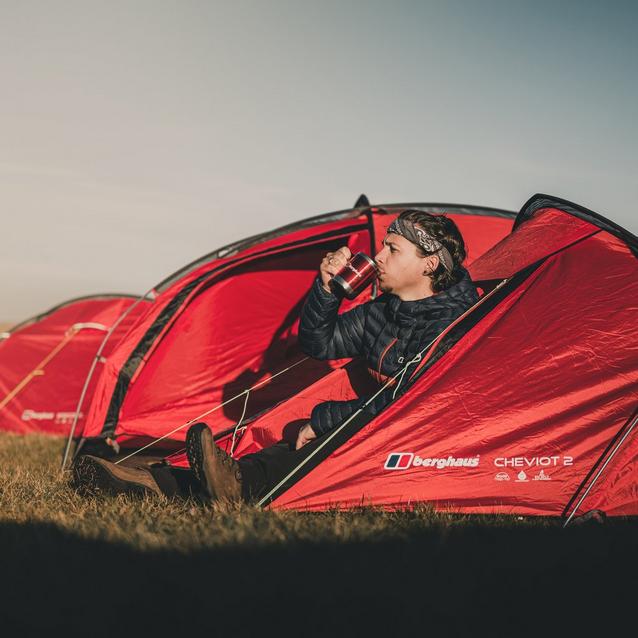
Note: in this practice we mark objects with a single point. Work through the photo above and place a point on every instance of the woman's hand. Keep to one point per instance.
(331, 264)
(306, 434)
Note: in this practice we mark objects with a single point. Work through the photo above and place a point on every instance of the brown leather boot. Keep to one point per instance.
(218, 473)
(91, 474)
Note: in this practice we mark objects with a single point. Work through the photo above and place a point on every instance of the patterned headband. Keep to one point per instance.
(420, 238)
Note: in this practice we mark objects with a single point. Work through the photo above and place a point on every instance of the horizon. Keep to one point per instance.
(138, 138)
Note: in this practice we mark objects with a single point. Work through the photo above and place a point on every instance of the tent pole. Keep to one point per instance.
(38, 371)
(98, 355)
(601, 470)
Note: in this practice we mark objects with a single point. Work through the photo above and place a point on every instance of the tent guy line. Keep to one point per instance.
(241, 420)
(214, 409)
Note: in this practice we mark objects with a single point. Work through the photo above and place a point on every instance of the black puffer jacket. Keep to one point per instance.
(386, 331)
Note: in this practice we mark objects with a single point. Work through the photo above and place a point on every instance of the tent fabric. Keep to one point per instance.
(45, 360)
(552, 231)
(523, 407)
(224, 325)
(219, 339)
(616, 492)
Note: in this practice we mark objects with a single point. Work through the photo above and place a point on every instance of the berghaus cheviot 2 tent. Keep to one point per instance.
(527, 404)
(228, 323)
(44, 360)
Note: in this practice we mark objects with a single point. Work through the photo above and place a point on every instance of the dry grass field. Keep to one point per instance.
(106, 566)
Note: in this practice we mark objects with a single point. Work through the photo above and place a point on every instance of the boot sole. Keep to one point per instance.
(195, 454)
(90, 476)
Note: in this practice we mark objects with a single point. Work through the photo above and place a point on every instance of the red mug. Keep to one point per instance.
(355, 276)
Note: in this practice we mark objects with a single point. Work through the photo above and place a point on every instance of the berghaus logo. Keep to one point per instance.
(404, 460)
(399, 461)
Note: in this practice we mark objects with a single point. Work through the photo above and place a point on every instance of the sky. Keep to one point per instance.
(136, 136)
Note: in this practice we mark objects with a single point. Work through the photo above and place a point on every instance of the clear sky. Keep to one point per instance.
(137, 135)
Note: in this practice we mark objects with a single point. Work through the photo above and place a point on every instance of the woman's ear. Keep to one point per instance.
(431, 263)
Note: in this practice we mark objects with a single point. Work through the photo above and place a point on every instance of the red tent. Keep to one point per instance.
(44, 361)
(527, 404)
(228, 322)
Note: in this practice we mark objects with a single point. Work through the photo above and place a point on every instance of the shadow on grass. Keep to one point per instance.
(465, 579)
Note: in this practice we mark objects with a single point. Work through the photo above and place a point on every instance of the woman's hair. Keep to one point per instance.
(447, 233)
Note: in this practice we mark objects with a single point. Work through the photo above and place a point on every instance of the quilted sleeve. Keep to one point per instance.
(323, 333)
(329, 414)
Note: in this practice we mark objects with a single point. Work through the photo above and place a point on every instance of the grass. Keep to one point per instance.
(33, 490)
(105, 566)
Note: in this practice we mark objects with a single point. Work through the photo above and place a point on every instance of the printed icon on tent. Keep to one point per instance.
(541, 476)
(398, 461)
(502, 476)
(60, 418)
(521, 477)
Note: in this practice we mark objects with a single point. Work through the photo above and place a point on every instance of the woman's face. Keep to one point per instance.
(401, 267)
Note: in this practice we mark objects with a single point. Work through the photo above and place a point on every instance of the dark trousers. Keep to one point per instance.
(260, 471)
(263, 470)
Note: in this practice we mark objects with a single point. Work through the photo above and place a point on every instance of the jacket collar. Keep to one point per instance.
(460, 296)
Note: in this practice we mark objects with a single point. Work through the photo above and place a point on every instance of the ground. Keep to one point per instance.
(113, 566)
